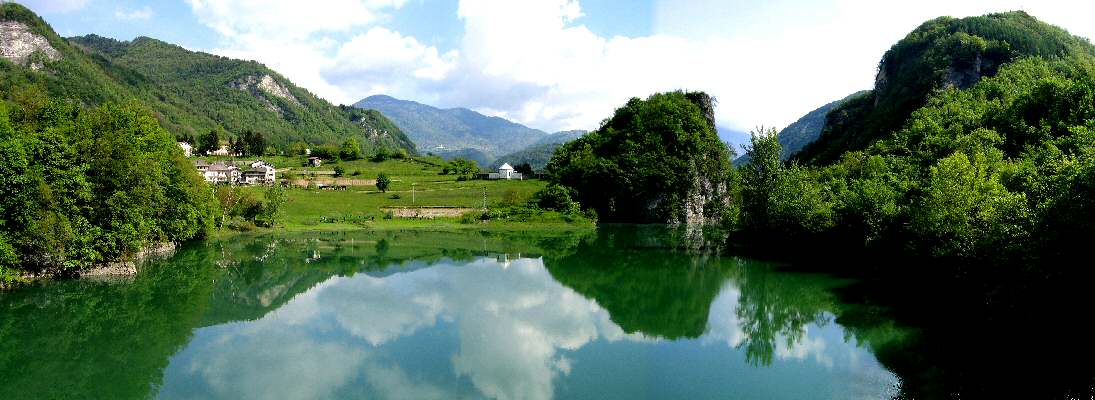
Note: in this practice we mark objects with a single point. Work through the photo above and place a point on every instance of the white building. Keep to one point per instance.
(505, 172)
(261, 174)
(222, 151)
(188, 150)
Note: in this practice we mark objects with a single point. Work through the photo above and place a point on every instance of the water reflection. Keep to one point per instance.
(623, 313)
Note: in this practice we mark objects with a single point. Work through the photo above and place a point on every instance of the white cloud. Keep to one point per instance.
(287, 19)
(142, 14)
(55, 6)
(535, 62)
(291, 38)
(392, 63)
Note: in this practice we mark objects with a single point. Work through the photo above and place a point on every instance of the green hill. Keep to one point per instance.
(990, 171)
(442, 131)
(941, 53)
(190, 93)
(658, 160)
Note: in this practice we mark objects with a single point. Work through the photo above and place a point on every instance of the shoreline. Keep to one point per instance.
(131, 266)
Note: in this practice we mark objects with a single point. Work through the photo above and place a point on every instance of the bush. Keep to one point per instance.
(556, 197)
(383, 181)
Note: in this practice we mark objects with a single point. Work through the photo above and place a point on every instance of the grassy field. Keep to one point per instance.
(309, 207)
(415, 183)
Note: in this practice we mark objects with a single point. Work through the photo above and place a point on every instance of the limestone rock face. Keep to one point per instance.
(18, 43)
(266, 85)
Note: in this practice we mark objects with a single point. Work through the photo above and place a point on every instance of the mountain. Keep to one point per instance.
(441, 130)
(190, 93)
(942, 53)
(538, 154)
(560, 137)
(804, 131)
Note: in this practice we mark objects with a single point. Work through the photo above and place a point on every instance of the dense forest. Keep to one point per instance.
(82, 187)
(942, 53)
(997, 168)
(190, 93)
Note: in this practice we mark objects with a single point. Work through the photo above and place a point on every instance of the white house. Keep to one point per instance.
(221, 173)
(188, 150)
(222, 151)
(259, 174)
(505, 172)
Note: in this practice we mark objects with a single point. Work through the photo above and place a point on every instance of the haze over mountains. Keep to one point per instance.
(460, 132)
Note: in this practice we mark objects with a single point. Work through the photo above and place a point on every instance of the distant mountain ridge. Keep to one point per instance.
(443, 131)
(190, 93)
(805, 130)
(539, 154)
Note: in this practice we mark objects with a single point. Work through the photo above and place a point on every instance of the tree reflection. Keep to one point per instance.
(646, 285)
(101, 339)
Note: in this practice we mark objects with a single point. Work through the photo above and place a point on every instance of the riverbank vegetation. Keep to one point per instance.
(992, 168)
(81, 187)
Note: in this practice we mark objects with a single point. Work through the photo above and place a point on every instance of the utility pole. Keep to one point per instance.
(412, 192)
(484, 198)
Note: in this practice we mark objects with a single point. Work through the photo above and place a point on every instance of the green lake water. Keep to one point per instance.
(620, 313)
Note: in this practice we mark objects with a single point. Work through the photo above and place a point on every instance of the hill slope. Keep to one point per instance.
(189, 92)
(538, 154)
(944, 52)
(453, 129)
(805, 130)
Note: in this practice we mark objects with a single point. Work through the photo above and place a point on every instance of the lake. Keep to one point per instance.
(619, 313)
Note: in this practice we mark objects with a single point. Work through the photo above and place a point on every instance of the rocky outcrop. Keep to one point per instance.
(18, 44)
(704, 202)
(708, 196)
(266, 85)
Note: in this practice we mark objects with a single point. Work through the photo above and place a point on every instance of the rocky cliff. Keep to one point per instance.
(19, 44)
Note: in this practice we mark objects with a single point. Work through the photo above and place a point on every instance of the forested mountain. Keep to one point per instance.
(804, 131)
(941, 53)
(991, 170)
(190, 93)
(442, 131)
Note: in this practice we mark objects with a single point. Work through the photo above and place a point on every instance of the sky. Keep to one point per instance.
(553, 64)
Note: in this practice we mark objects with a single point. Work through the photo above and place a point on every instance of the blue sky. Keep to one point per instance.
(553, 64)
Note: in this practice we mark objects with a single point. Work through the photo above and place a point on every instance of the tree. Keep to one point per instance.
(113, 183)
(238, 146)
(339, 171)
(556, 197)
(209, 142)
(525, 169)
(272, 207)
(350, 150)
(462, 167)
(255, 143)
(657, 160)
(382, 182)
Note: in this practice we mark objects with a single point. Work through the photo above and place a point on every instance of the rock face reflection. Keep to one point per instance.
(616, 314)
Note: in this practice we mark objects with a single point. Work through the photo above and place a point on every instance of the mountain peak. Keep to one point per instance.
(455, 128)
